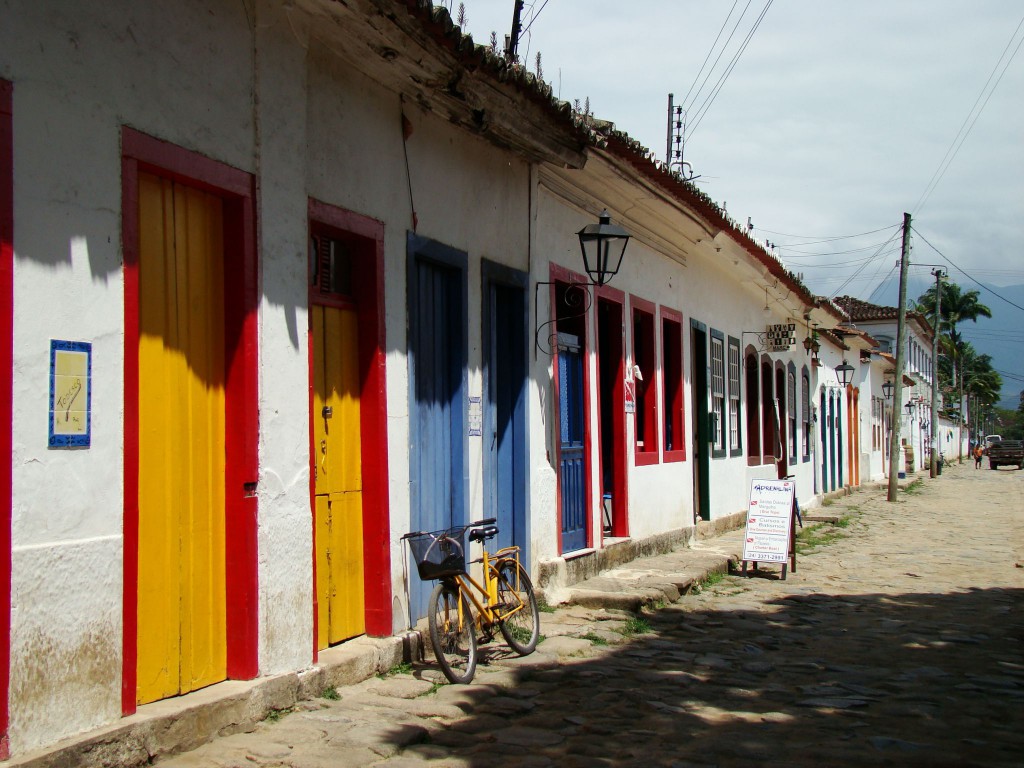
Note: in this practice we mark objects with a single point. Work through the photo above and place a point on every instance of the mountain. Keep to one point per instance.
(1002, 336)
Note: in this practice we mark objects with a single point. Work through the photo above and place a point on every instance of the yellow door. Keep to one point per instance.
(181, 593)
(338, 475)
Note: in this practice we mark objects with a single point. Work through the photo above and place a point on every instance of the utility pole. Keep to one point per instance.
(934, 464)
(512, 46)
(897, 385)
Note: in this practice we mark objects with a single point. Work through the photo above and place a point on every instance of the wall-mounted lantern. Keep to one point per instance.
(603, 245)
(844, 372)
(887, 388)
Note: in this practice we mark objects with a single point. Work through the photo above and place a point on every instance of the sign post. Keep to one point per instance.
(769, 536)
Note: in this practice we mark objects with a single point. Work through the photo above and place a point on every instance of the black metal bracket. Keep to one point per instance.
(577, 297)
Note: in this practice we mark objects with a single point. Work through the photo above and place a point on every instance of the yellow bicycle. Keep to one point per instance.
(504, 600)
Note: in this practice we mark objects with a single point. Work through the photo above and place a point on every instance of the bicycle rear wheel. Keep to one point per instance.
(521, 630)
(453, 640)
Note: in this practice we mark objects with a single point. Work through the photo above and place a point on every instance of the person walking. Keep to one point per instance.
(978, 453)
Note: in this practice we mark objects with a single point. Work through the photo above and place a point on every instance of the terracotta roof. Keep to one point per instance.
(862, 310)
(436, 21)
(476, 58)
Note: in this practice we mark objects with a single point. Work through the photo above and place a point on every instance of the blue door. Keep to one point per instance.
(823, 435)
(505, 429)
(831, 442)
(572, 474)
(437, 358)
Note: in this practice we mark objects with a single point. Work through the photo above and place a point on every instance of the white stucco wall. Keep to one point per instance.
(79, 75)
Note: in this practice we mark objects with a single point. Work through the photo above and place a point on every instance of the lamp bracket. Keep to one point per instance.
(762, 339)
(577, 297)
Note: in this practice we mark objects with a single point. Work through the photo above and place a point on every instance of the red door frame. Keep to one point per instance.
(620, 470)
(560, 274)
(368, 292)
(6, 396)
(140, 152)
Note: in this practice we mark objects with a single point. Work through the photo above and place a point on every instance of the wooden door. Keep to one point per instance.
(437, 312)
(181, 498)
(504, 435)
(571, 457)
(703, 433)
(337, 471)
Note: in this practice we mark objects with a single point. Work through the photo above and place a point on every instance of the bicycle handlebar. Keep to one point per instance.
(478, 523)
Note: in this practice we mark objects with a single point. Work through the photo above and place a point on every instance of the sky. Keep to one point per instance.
(836, 119)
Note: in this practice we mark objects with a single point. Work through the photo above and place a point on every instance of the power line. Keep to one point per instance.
(859, 269)
(871, 296)
(712, 50)
(688, 105)
(533, 18)
(703, 110)
(815, 239)
(961, 135)
(965, 274)
(810, 254)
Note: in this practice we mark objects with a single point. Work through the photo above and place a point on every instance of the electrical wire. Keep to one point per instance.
(961, 135)
(809, 254)
(533, 18)
(712, 50)
(964, 273)
(830, 238)
(860, 268)
(703, 110)
(885, 280)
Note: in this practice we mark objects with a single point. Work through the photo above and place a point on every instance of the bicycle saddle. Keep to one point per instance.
(483, 534)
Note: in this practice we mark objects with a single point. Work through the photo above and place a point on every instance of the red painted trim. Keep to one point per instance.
(620, 454)
(312, 489)
(561, 274)
(368, 287)
(678, 404)
(6, 397)
(237, 188)
(130, 583)
(242, 456)
(753, 408)
(648, 455)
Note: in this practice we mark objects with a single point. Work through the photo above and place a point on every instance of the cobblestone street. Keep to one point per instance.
(898, 641)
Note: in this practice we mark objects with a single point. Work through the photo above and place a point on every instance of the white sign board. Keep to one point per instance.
(769, 521)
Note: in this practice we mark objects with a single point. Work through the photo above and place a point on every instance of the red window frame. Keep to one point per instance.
(673, 401)
(645, 355)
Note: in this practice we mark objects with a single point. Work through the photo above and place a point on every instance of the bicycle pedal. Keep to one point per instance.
(485, 638)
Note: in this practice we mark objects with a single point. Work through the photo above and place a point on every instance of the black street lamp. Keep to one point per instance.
(603, 245)
(887, 388)
(844, 372)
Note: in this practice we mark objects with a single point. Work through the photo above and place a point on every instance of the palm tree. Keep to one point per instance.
(956, 307)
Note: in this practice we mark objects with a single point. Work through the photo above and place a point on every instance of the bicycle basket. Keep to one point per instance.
(439, 554)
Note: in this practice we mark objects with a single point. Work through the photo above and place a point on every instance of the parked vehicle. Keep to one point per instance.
(1006, 452)
(990, 439)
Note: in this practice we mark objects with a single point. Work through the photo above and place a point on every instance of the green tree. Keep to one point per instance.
(957, 306)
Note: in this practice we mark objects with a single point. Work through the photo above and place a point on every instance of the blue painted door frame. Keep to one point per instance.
(505, 429)
(438, 468)
(572, 446)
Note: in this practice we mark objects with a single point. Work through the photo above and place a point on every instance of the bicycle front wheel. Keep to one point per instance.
(521, 628)
(452, 637)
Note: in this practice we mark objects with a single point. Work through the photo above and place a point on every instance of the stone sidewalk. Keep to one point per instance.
(181, 724)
